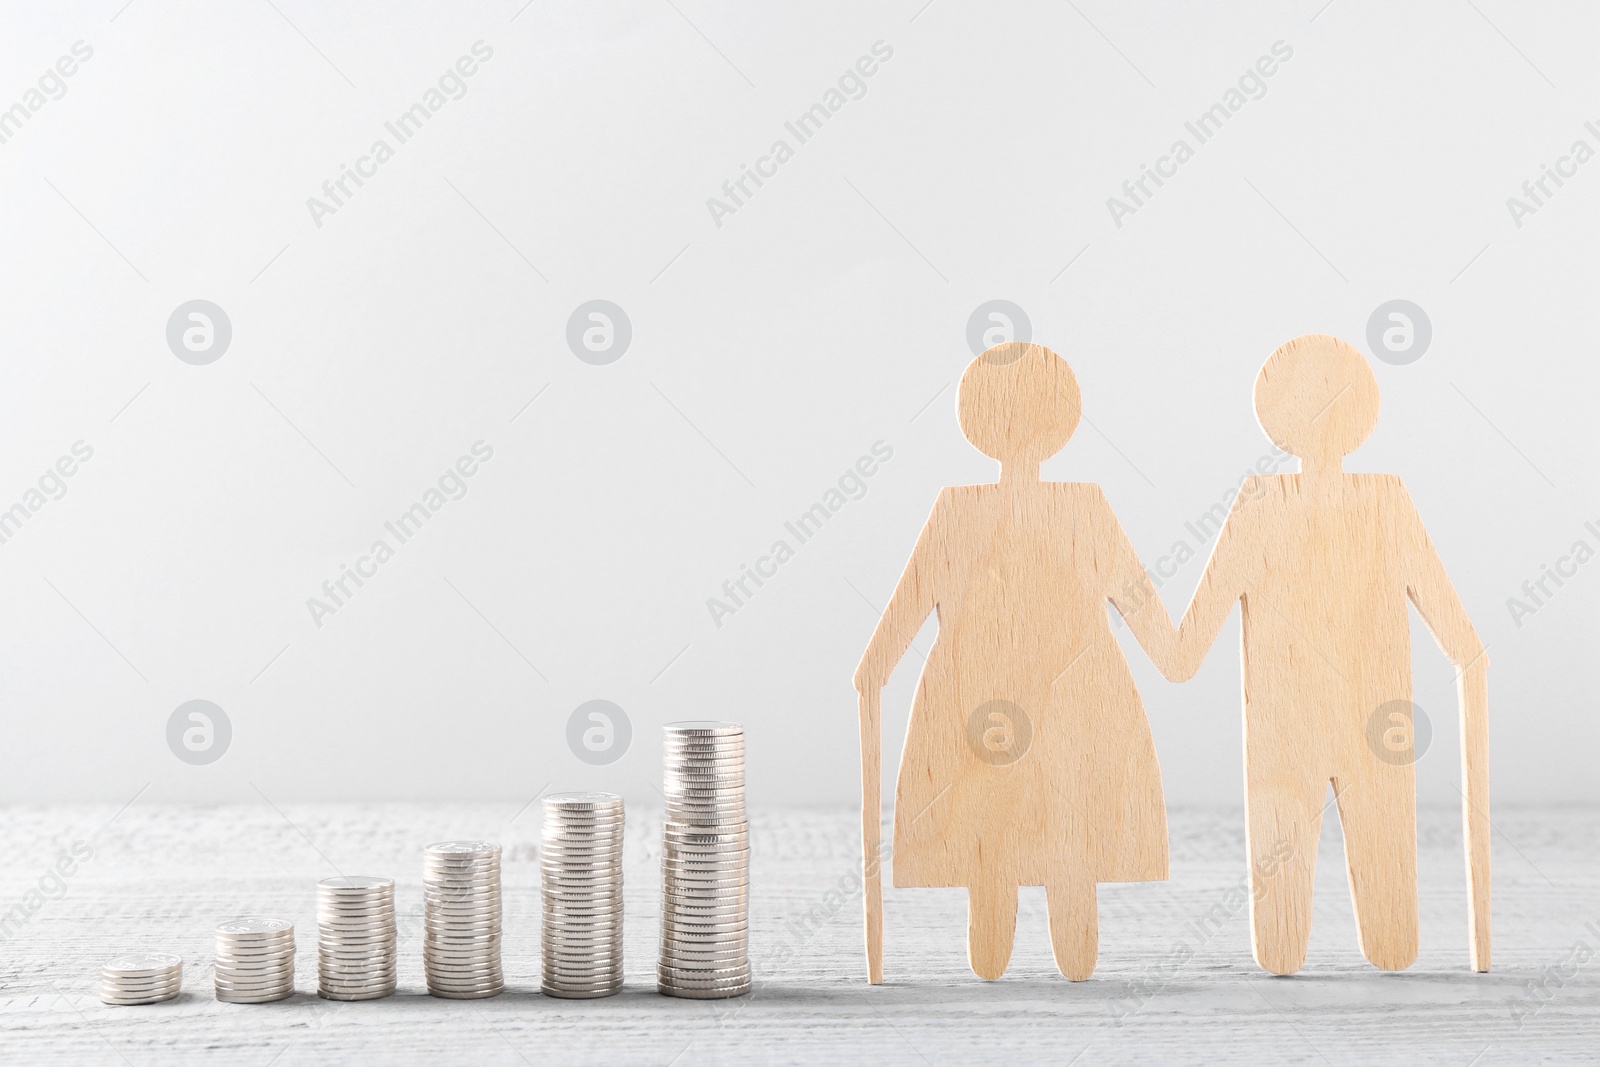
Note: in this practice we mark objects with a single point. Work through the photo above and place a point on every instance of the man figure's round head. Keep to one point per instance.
(1316, 398)
(1018, 403)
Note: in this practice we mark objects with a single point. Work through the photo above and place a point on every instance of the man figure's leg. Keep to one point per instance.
(1285, 820)
(1378, 813)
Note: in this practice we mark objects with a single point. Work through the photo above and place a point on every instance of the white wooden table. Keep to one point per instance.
(1175, 982)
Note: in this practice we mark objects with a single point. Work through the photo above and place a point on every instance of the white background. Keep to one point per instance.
(768, 354)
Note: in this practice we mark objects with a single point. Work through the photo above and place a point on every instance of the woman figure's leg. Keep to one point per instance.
(1074, 927)
(991, 928)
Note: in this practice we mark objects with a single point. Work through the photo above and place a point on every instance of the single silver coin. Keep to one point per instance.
(726, 854)
(140, 996)
(364, 984)
(608, 914)
(580, 983)
(681, 750)
(141, 992)
(143, 963)
(687, 962)
(117, 1001)
(554, 947)
(246, 958)
(577, 986)
(357, 883)
(583, 800)
(686, 993)
(722, 979)
(141, 985)
(711, 814)
(355, 971)
(464, 979)
(583, 904)
(349, 916)
(573, 901)
(263, 976)
(255, 928)
(135, 1001)
(699, 929)
(558, 991)
(465, 994)
(694, 836)
(575, 966)
(713, 727)
(456, 848)
(162, 991)
(682, 910)
(132, 986)
(703, 978)
(713, 957)
(243, 998)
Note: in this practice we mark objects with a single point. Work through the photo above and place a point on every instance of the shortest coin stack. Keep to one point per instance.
(145, 978)
(355, 938)
(255, 960)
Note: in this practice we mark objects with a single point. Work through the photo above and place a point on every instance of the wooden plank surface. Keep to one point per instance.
(1175, 981)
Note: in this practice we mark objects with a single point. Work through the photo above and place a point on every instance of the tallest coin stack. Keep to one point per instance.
(705, 864)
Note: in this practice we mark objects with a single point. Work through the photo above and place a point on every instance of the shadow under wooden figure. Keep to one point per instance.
(1028, 759)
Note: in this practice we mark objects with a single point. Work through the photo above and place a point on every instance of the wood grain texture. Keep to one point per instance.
(1323, 564)
(1175, 982)
(1028, 760)
(871, 836)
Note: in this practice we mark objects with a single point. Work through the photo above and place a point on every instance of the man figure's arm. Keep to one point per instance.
(1430, 590)
(1224, 582)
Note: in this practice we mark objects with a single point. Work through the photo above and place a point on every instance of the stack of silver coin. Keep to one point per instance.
(355, 938)
(581, 878)
(255, 960)
(145, 978)
(461, 923)
(705, 864)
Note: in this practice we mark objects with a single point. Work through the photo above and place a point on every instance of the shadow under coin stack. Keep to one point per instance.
(461, 934)
(581, 877)
(705, 864)
(255, 960)
(355, 938)
(147, 978)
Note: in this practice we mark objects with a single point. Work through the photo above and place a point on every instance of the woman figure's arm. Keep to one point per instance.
(908, 607)
(1134, 596)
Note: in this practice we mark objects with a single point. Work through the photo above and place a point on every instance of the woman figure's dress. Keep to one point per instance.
(1028, 760)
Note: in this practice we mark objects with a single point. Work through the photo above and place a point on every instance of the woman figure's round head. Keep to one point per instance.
(1316, 397)
(1018, 403)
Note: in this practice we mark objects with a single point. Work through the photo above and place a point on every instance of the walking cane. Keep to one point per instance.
(871, 821)
(1474, 687)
